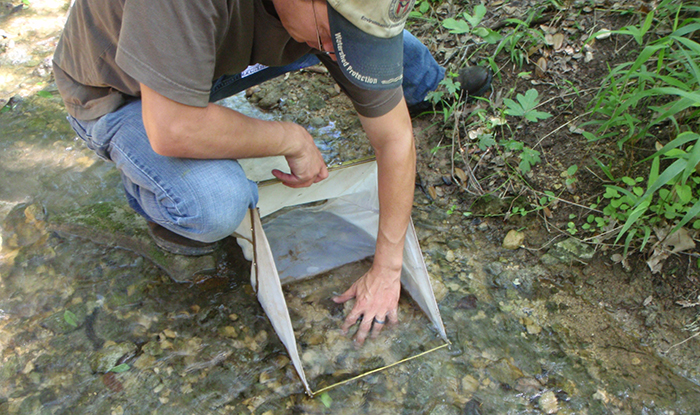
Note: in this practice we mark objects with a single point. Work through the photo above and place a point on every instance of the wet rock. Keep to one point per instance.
(152, 348)
(314, 102)
(318, 122)
(572, 249)
(109, 356)
(505, 372)
(468, 302)
(472, 408)
(24, 225)
(513, 239)
(439, 288)
(469, 384)
(270, 99)
(493, 268)
(65, 321)
(548, 403)
(527, 386)
(228, 331)
(445, 409)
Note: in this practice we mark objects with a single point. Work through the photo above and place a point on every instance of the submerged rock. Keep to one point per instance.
(548, 403)
(24, 226)
(107, 358)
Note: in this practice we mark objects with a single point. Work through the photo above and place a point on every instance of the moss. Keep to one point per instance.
(107, 216)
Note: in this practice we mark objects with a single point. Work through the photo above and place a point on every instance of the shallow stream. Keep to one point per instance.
(88, 327)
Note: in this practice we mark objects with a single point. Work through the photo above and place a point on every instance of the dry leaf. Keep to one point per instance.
(547, 212)
(604, 34)
(459, 174)
(432, 193)
(679, 240)
(676, 242)
(558, 41)
(549, 39)
(541, 67)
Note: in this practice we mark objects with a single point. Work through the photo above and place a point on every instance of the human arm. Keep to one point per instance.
(377, 292)
(216, 132)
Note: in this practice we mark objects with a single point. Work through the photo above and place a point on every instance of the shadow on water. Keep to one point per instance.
(94, 328)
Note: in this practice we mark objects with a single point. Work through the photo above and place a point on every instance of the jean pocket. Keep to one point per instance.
(100, 145)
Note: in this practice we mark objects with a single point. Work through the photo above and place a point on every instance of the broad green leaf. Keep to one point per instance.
(491, 37)
(457, 27)
(44, 94)
(69, 317)
(120, 368)
(684, 192)
(326, 399)
(479, 13)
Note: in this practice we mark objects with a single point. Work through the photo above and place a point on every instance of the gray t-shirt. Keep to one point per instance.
(177, 48)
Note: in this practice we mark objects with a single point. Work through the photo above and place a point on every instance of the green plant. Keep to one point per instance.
(120, 368)
(69, 318)
(661, 86)
(570, 180)
(326, 399)
(528, 157)
(525, 106)
(469, 23)
(520, 39)
(447, 94)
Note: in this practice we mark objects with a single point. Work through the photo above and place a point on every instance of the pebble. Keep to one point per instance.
(469, 384)
(513, 239)
(450, 256)
(548, 403)
(228, 331)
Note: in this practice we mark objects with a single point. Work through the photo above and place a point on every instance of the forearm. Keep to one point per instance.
(178, 130)
(394, 147)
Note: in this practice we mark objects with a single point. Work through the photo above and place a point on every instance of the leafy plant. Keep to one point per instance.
(528, 157)
(520, 39)
(525, 106)
(469, 23)
(421, 8)
(661, 86)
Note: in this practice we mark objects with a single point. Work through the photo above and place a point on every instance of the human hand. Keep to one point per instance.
(305, 161)
(376, 300)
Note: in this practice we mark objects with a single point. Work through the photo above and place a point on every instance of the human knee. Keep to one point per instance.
(221, 210)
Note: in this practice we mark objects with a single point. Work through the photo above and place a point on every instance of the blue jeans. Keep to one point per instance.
(206, 200)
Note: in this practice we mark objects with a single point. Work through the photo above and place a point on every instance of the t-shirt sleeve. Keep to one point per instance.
(171, 46)
(369, 103)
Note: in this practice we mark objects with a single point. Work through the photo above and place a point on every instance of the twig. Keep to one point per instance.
(561, 126)
(472, 181)
(679, 343)
(566, 201)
